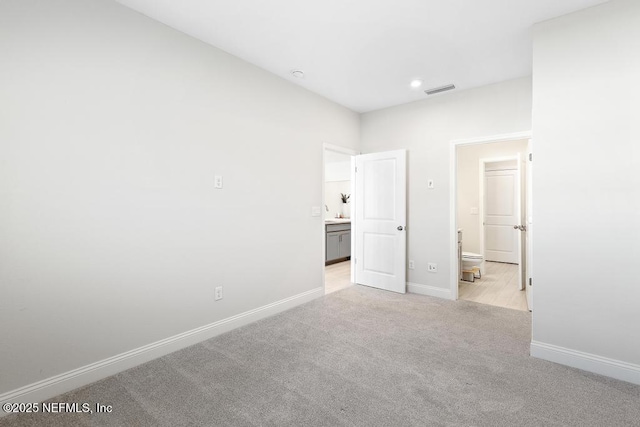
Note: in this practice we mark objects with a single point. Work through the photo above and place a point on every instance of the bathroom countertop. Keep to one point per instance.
(338, 221)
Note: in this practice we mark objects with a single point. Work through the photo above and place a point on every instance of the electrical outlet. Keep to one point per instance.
(218, 293)
(432, 267)
(411, 265)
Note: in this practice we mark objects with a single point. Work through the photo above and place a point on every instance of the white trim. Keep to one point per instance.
(351, 152)
(62, 383)
(529, 222)
(453, 187)
(432, 291)
(354, 197)
(339, 149)
(454, 269)
(502, 159)
(494, 138)
(586, 361)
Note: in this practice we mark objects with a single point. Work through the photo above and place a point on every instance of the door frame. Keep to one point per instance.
(482, 178)
(453, 191)
(528, 160)
(350, 152)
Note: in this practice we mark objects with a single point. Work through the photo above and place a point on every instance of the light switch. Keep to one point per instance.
(430, 184)
(316, 211)
(218, 181)
(474, 211)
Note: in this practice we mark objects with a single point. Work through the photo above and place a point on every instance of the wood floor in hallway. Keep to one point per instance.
(498, 286)
(337, 276)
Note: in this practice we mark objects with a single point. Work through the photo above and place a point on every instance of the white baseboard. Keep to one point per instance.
(588, 362)
(50, 387)
(432, 291)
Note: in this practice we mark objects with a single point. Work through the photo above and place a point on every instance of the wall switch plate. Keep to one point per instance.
(218, 293)
(432, 267)
(316, 211)
(411, 265)
(430, 184)
(474, 211)
(217, 181)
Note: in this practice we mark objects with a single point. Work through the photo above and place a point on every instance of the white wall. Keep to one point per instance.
(338, 171)
(587, 183)
(337, 177)
(112, 236)
(468, 196)
(426, 129)
(332, 191)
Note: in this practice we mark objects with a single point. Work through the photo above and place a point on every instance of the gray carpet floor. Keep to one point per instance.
(359, 357)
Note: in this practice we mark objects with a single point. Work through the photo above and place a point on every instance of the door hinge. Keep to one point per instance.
(530, 281)
(530, 157)
(355, 260)
(356, 169)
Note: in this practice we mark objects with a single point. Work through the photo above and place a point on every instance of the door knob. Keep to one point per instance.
(520, 227)
(400, 228)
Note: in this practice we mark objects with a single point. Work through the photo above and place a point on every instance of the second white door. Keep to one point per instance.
(501, 213)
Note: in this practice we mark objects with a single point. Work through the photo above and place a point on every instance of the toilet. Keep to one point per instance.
(471, 262)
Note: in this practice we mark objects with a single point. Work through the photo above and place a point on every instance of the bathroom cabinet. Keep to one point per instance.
(338, 243)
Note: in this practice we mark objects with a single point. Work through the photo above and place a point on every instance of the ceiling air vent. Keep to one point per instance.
(439, 89)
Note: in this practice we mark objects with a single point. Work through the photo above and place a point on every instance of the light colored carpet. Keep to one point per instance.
(360, 357)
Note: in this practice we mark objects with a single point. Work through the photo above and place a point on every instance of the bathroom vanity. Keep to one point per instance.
(337, 241)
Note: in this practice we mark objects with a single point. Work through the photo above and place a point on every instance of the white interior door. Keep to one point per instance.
(501, 213)
(380, 220)
(529, 223)
(521, 232)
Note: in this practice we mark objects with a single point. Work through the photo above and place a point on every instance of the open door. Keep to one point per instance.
(520, 229)
(529, 223)
(502, 213)
(380, 220)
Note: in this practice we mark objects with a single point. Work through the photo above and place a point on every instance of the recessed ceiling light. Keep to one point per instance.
(299, 74)
(416, 83)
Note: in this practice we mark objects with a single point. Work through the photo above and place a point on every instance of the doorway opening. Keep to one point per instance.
(491, 209)
(338, 196)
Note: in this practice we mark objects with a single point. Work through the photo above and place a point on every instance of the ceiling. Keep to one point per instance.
(364, 53)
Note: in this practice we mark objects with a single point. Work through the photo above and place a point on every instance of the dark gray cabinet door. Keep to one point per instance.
(333, 246)
(345, 244)
(338, 245)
